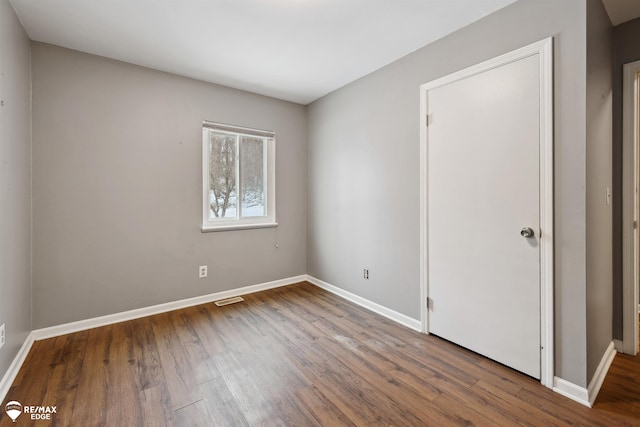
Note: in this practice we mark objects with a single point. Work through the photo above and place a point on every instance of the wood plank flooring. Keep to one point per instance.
(620, 392)
(294, 356)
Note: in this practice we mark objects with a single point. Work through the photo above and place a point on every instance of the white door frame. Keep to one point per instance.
(630, 177)
(544, 49)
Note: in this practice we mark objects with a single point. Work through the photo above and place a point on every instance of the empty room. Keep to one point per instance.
(319, 212)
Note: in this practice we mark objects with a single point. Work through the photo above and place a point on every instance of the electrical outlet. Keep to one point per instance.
(202, 271)
(2, 335)
(366, 274)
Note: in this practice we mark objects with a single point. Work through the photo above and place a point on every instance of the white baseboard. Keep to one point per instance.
(619, 345)
(587, 396)
(81, 325)
(572, 391)
(14, 368)
(601, 373)
(369, 305)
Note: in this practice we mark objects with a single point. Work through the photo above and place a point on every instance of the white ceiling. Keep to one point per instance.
(297, 50)
(622, 10)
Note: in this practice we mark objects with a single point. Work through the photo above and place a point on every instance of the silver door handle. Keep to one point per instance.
(527, 232)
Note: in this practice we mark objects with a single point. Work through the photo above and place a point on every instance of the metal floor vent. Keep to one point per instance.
(228, 301)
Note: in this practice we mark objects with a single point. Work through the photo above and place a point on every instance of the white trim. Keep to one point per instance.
(630, 164)
(587, 396)
(369, 305)
(424, 214)
(242, 130)
(15, 366)
(601, 373)
(544, 49)
(547, 243)
(236, 226)
(81, 325)
(572, 391)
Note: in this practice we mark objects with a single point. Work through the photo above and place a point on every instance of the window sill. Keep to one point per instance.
(230, 227)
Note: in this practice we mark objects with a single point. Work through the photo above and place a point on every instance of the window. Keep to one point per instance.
(238, 170)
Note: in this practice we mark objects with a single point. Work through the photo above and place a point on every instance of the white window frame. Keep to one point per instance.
(224, 224)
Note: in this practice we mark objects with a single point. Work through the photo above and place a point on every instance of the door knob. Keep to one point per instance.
(527, 232)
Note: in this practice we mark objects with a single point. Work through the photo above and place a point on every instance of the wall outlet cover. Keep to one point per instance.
(202, 271)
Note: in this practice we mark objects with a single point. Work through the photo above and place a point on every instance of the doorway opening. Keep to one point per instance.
(630, 207)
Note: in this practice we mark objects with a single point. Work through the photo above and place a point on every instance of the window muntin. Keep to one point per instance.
(238, 177)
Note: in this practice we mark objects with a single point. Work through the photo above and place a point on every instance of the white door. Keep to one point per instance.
(483, 190)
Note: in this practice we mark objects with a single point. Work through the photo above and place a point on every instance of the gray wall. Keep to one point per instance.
(599, 176)
(626, 48)
(364, 166)
(117, 188)
(15, 184)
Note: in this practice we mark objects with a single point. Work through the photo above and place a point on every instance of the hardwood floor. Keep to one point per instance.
(290, 356)
(620, 392)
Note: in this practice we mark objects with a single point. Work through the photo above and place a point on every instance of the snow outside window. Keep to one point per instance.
(238, 177)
